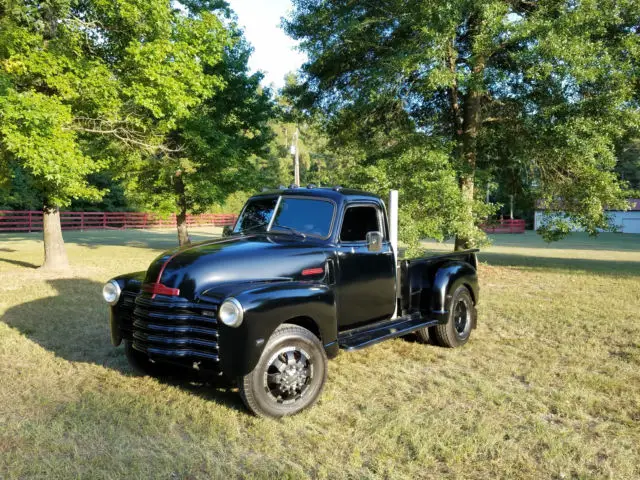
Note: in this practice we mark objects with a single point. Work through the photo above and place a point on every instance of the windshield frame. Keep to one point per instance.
(275, 210)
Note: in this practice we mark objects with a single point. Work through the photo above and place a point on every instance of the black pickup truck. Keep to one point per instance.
(304, 272)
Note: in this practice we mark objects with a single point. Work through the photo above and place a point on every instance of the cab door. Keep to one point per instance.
(366, 279)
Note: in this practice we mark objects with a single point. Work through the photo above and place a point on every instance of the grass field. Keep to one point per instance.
(548, 386)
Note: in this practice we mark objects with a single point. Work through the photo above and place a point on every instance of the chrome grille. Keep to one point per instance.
(176, 330)
(125, 312)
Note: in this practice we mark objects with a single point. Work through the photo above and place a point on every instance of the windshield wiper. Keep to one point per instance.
(292, 230)
(284, 227)
(260, 225)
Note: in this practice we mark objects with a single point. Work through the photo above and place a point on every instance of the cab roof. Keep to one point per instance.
(338, 194)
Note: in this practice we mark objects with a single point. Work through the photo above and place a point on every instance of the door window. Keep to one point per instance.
(358, 221)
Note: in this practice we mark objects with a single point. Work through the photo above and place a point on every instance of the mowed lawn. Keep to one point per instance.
(548, 386)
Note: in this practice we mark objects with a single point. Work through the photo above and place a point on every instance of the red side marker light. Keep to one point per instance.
(160, 289)
(313, 271)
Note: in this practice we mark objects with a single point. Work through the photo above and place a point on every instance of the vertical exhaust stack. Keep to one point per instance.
(393, 221)
(393, 238)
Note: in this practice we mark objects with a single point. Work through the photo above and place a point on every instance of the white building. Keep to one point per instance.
(627, 222)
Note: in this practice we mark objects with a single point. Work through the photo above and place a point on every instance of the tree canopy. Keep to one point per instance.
(471, 89)
(216, 149)
(85, 85)
(82, 82)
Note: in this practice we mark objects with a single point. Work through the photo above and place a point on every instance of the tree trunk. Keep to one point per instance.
(471, 124)
(466, 186)
(181, 217)
(467, 175)
(55, 255)
(183, 233)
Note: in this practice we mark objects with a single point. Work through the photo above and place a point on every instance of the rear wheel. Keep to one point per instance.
(462, 317)
(423, 335)
(289, 376)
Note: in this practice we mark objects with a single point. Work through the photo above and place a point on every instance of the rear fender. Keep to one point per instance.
(447, 279)
(267, 307)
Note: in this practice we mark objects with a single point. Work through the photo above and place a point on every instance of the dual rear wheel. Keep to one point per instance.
(462, 318)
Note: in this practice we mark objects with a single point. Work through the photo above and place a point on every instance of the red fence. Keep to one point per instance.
(516, 225)
(31, 221)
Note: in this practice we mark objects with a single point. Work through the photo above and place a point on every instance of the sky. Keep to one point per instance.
(274, 52)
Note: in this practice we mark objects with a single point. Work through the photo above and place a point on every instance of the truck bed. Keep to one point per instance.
(417, 277)
(468, 256)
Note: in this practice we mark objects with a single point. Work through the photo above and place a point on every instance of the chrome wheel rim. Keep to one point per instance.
(288, 375)
(461, 319)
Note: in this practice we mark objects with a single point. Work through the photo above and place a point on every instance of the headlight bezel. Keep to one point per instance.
(118, 292)
(238, 310)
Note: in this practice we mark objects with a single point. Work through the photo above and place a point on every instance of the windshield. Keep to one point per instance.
(303, 216)
(256, 215)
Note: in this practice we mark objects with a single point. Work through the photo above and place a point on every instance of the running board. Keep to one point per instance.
(361, 338)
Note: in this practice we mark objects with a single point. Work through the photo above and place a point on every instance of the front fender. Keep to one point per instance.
(120, 313)
(447, 279)
(265, 308)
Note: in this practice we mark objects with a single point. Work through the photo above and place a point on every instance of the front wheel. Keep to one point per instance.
(289, 376)
(462, 318)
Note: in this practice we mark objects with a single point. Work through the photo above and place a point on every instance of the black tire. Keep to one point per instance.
(423, 335)
(462, 318)
(289, 376)
(141, 365)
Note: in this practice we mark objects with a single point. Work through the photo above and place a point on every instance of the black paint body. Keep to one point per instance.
(355, 292)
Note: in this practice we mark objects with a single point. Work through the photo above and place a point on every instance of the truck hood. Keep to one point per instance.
(238, 259)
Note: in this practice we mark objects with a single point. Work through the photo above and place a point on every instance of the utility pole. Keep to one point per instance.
(511, 206)
(296, 159)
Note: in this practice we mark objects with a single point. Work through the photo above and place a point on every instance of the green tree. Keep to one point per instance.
(483, 84)
(17, 191)
(628, 166)
(85, 85)
(217, 149)
(114, 200)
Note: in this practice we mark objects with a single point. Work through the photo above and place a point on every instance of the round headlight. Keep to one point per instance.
(231, 312)
(111, 292)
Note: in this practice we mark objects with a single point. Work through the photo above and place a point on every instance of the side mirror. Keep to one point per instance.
(374, 241)
(227, 230)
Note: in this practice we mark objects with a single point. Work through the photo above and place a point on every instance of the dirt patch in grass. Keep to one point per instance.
(548, 387)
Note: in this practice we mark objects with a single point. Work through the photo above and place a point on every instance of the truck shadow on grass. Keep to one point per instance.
(618, 268)
(73, 325)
